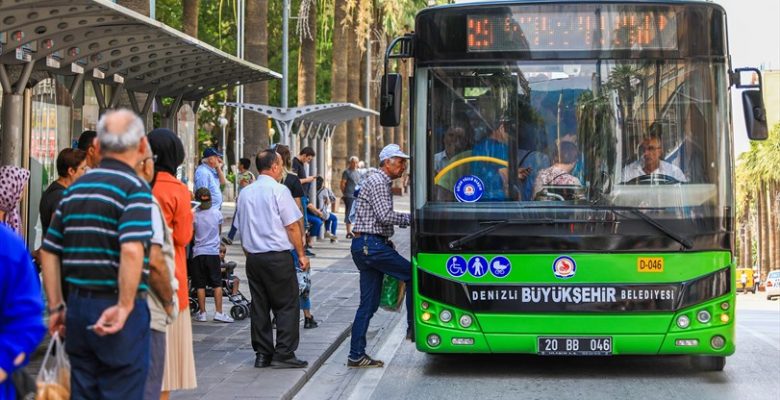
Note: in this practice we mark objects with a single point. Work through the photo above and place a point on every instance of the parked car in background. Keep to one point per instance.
(773, 284)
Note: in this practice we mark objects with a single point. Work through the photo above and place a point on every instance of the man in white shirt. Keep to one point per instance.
(268, 219)
(651, 162)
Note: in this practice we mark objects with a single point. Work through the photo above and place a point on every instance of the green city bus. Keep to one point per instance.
(572, 177)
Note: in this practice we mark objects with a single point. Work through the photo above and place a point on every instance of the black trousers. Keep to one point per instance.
(274, 287)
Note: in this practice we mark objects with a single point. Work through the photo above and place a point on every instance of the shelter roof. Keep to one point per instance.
(114, 45)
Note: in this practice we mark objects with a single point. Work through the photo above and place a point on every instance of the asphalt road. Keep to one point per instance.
(752, 373)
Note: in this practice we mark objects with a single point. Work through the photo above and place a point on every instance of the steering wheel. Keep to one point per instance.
(653, 179)
(467, 160)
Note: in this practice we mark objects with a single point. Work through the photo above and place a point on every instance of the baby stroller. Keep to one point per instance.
(240, 308)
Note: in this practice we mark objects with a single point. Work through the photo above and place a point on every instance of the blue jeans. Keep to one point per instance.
(106, 367)
(331, 223)
(315, 224)
(381, 259)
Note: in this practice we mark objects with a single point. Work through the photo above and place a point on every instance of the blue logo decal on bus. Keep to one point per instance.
(500, 266)
(478, 266)
(469, 189)
(564, 267)
(456, 266)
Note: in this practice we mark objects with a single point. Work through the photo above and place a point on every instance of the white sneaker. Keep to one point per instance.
(200, 317)
(221, 317)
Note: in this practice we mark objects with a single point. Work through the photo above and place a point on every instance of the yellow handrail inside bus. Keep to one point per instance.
(466, 160)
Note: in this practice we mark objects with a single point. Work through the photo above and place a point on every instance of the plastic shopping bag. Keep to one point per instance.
(53, 379)
(392, 293)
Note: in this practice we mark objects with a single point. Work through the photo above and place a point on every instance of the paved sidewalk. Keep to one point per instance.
(223, 353)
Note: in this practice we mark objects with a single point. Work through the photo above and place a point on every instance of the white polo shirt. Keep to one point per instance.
(264, 209)
(635, 169)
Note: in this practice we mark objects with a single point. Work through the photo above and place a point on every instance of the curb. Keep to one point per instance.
(317, 364)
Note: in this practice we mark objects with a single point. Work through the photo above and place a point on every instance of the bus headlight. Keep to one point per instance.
(683, 321)
(424, 305)
(725, 305)
(426, 316)
(434, 340)
(445, 316)
(724, 318)
(718, 342)
(466, 321)
(703, 316)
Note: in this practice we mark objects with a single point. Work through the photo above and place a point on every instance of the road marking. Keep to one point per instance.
(367, 384)
(760, 336)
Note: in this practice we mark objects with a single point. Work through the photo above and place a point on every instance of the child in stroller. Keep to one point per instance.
(230, 284)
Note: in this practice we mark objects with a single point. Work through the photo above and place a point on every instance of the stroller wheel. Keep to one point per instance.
(246, 308)
(238, 312)
(194, 306)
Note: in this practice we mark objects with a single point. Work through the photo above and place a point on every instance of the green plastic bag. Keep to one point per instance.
(392, 293)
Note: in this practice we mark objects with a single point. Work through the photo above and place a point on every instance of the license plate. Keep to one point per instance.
(575, 346)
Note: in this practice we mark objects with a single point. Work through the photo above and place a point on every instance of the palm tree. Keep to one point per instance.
(339, 88)
(139, 6)
(256, 51)
(190, 17)
(354, 131)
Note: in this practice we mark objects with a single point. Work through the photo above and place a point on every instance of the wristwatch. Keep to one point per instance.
(59, 308)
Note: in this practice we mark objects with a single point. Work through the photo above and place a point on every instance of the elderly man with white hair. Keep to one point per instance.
(97, 240)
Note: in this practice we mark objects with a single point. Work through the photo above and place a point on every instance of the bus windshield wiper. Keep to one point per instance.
(663, 228)
(495, 225)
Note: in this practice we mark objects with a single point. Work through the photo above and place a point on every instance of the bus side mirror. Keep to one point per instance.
(755, 115)
(752, 102)
(390, 100)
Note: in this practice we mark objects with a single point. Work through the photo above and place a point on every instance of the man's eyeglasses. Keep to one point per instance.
(153, 158)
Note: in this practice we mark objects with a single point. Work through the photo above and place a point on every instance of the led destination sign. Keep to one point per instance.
(607, 28)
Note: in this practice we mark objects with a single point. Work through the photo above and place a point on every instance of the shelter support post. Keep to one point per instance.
(13, 129)
(101, 99)
(13, 116)
(75, 86)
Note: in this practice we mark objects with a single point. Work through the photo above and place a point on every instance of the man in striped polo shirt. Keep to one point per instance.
(98, 240)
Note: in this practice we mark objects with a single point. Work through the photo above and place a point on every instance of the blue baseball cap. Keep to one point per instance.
(210, 151)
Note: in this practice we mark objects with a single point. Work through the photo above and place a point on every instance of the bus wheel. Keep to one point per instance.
(708, 363)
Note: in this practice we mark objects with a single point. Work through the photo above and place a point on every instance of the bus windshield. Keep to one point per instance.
(588, 136)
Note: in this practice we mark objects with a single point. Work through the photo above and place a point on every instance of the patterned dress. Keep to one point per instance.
(554, 176)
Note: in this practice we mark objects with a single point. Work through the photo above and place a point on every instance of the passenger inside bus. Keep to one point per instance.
(456, 147)
(493, 175)
(559, 175)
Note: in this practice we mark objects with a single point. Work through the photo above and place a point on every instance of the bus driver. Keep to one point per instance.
(650, 162)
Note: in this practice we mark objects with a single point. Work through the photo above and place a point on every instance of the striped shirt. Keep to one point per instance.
(104, 208)
(375, 213)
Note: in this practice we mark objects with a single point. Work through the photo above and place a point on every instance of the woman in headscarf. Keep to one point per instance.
(174, 199)
(12, 182)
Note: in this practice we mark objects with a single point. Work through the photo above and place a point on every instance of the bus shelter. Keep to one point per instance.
(63, 63)
(312, 124)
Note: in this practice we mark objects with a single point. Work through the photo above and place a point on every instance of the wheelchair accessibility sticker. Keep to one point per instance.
(469, 189)
(456, 266)
(478, 266)
(500, 266)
